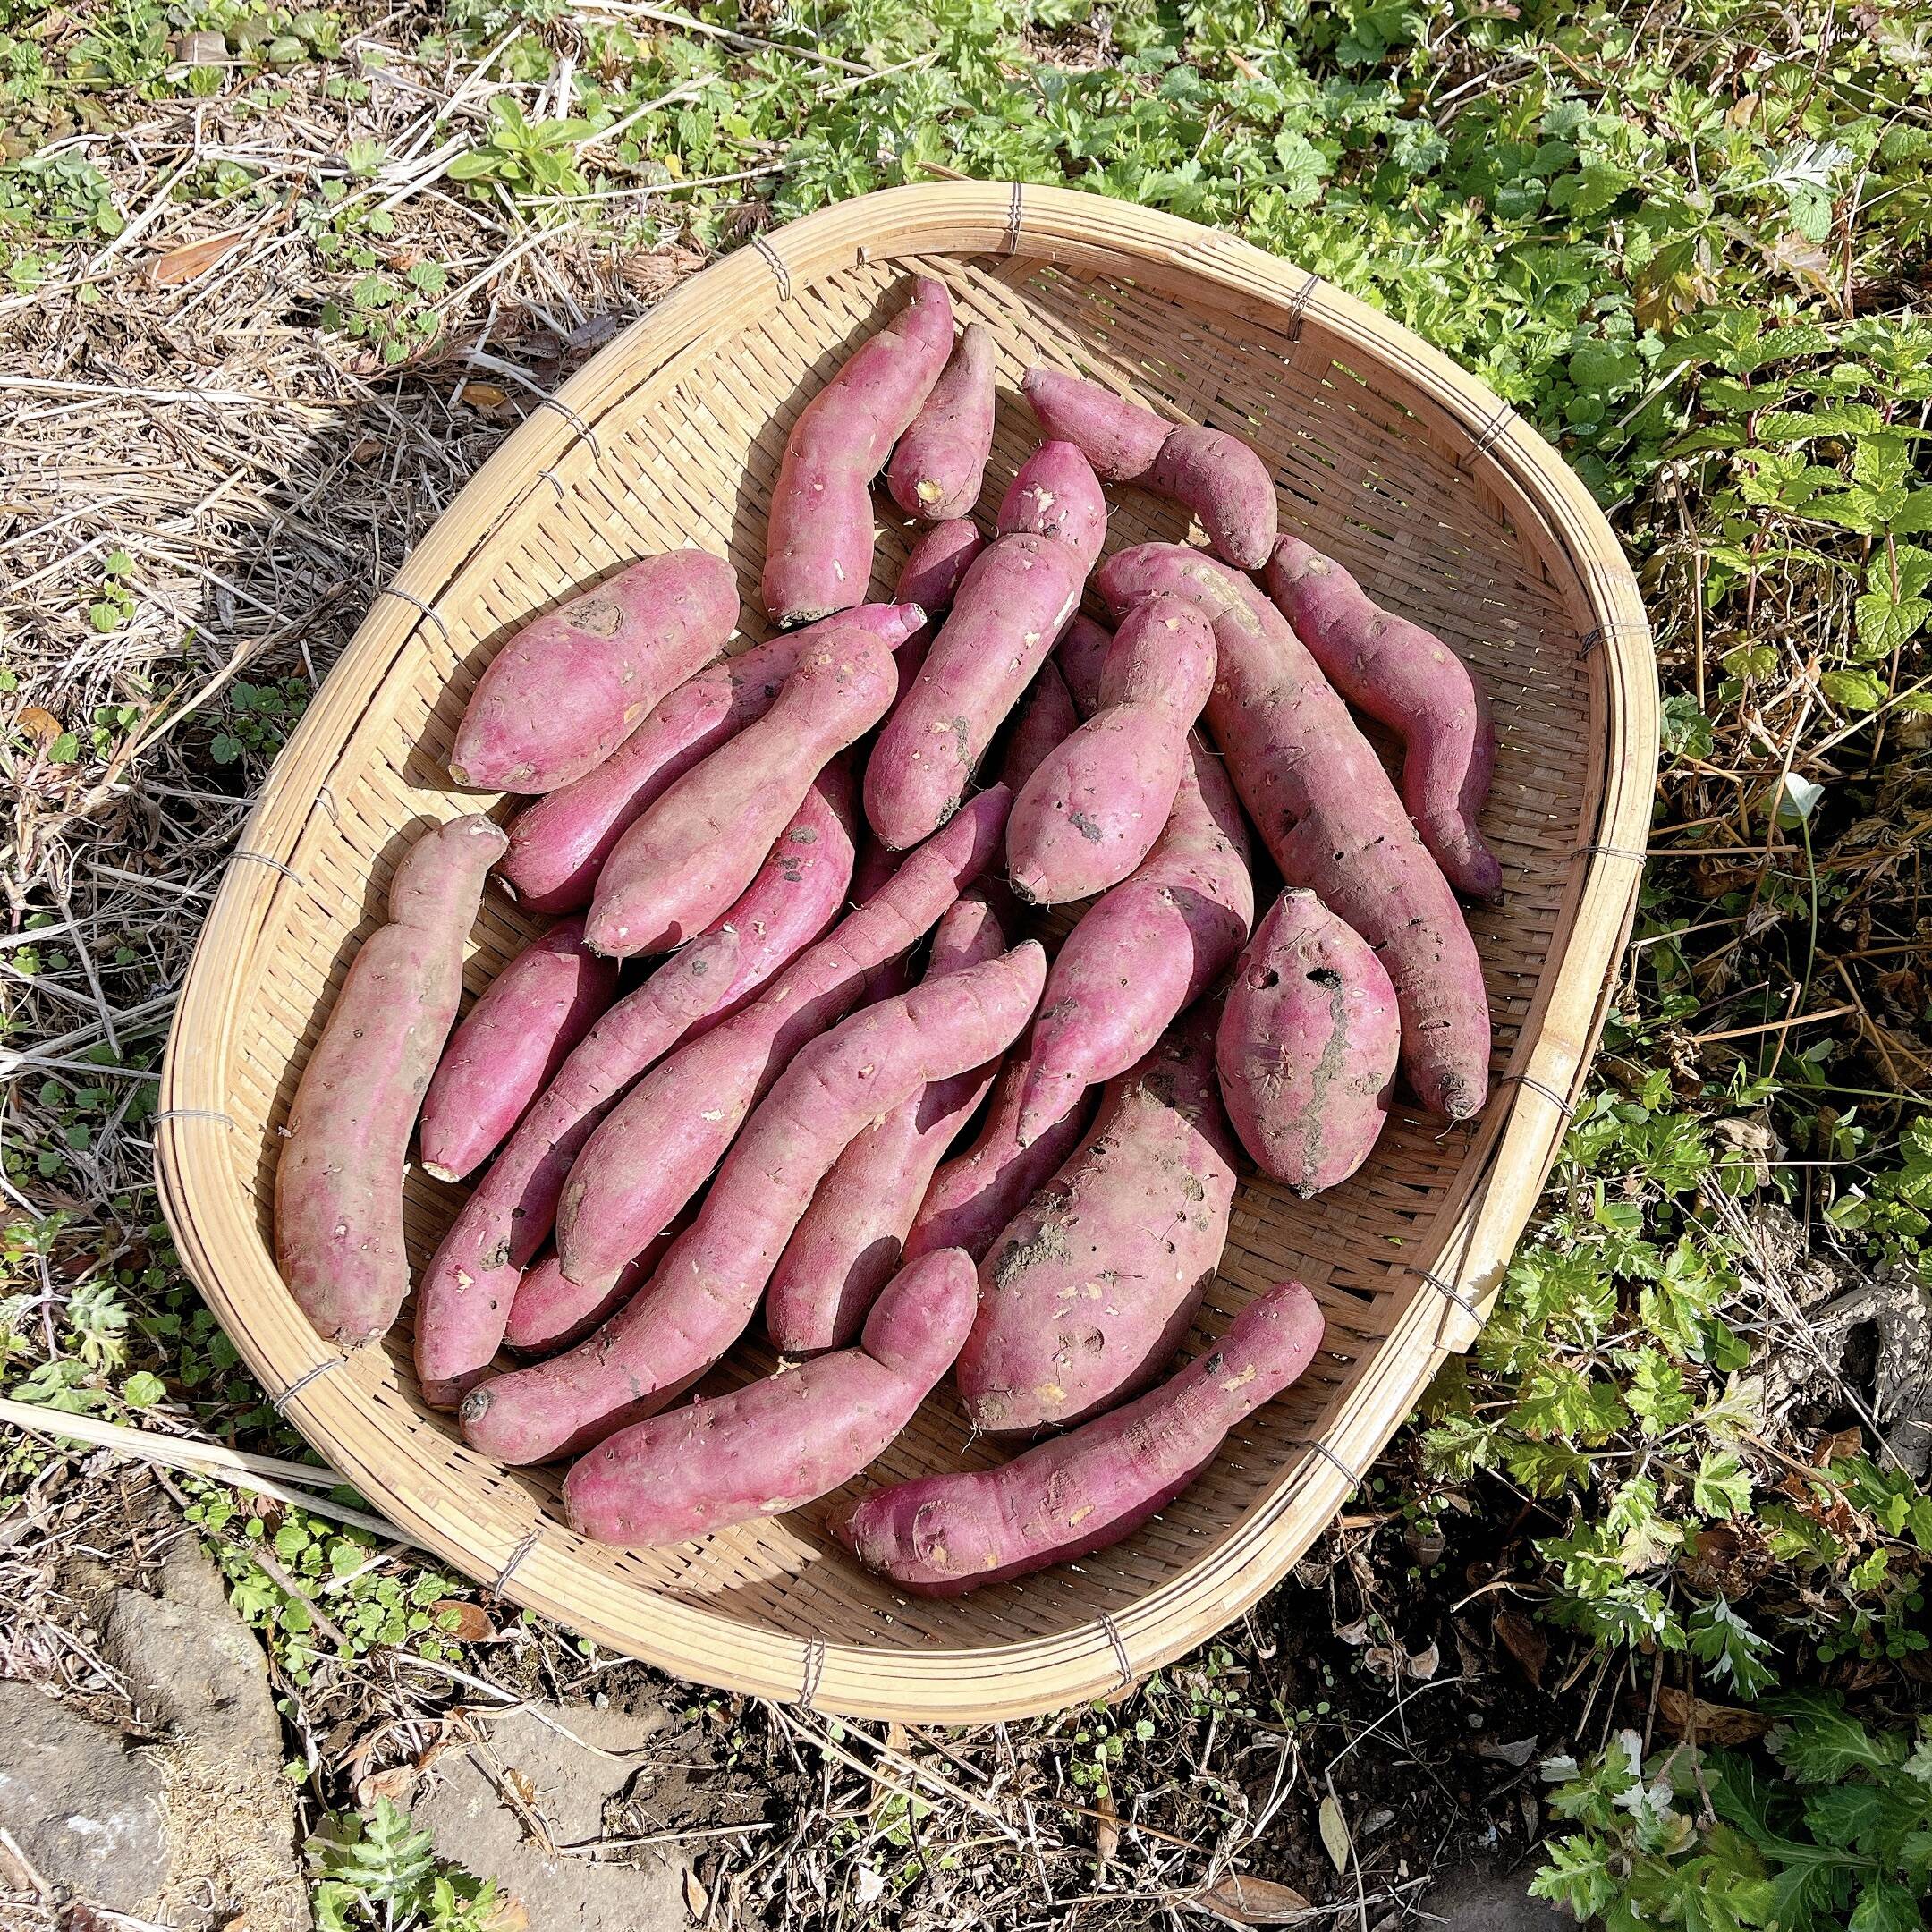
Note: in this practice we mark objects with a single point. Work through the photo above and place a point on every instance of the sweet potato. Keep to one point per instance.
(937, 564)
(567, 690)
(1413, 682)
(1011, 607)
(654, 1152)
(549, 1311)
(704, 1291)
(466, 1289)
(846, 1247)
(942, 1536)
(936, 471)
(1330, 816)
(1089, 1291)
(818, 540)
(781, 1443)
(684, 861)
(1093, 809)
(509, 1046)
(558, 844)
(1307, 1046)
(339, 1180)
(1215, 475)
(1046, 721)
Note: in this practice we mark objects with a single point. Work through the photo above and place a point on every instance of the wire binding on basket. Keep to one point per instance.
(1559, 1101)
(191, 1112)
(1297, 309)
(584, 431)
(550, 477)
(1014, 218)
(1447, 1291)
(1612, 851)
(1120, 1648)
(416, 603)
(774, 261)
(262, 857)
(501, 1580)
(1322, 1449)
(815, 1655)
(279, 1404)
(1491, 433)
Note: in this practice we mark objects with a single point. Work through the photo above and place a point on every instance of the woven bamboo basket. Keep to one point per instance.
(1387, 455)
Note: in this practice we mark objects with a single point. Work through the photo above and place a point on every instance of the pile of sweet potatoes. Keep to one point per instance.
(783, 1048)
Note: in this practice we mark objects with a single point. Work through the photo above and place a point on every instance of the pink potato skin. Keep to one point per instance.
(466, 1291)
(1209, 471)
(1329, 815)
(567, 690)
(704, 1291)
(1047, 720)
(509, 1048)
(781, 1443)
(1307, 1050)
(846, 1248)
(558, 844)
(549, 1311)
(1010, 610)
(1090, 1289)
(942, 1536)
(684, 862)
(930, 577)
(338, 1207)
(1092, 810)
(654, 1152)
(937, 470)
(818, 540)
(1413, 682)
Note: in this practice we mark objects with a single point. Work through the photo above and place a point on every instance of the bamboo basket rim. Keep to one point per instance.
(1490, 1197)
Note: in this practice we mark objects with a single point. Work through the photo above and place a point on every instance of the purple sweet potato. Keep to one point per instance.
(509, 1048)
(558, 844)
(936, 472)
(1011, 607)
(1307, 1046)
(818, 542)
(466, 1291)
(1413, 682)
(566, 690)
(684, 861)
(846, 1247)
(654, 1152)
(781, 1443)
(1215, 475)
(1092, 810)
(704, 1291)
(942, 1536)
(339, 1180)
(1330, 816)
(1093, 1285)
(1046, 719)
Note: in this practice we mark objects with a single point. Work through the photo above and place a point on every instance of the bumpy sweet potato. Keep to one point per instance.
(937, 564)
(566, 690)
(1093, 809)
(1011, 607)
(703, 1293)
(942, 1536)
(1046, 721)
(1091, 1287)
(1330, 817)
(1414, 683)
(846, 1247)
(654, 1152)
(549, 1311)
(936, 471)
(1307, 1046)
(339, 1182)
(684, 861)
(818, 542)
(466, 1291)
(1215, 475)
(509, 1046)
(781, 1443)
(558, 844)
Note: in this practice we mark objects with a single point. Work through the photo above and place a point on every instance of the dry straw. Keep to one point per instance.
(1435, 493)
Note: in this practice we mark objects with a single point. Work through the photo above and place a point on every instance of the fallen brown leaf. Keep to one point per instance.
(192, 259)
(1334, 1832)
(1107, 1832)
(39, 725)
(1525, 1642)
(485, 395)
(397, 1784)
(468, 1622)
(1242, 1899)
(507, 1915)
(1712, 1724)
(697, 1900)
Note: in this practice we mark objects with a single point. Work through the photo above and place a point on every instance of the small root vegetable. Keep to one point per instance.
(1413, 682)
(937, 470)
(1093, 807)
(942, 1536)
(1330, 816)
(781, 1443)
(930, 577)
(339, 1180)
(550, 1312)
(684, 862)
(1215, 475)
(1047, 720)
(509, 1048)
(1090, 1288)
(568, 689)
(818, 540)
(699, 1300)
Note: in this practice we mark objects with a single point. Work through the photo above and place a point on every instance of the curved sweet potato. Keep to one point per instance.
(339, 1180)
(567, 690)
(550, 1312)
(1047, 720)
(936, 565)
(936, 471)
